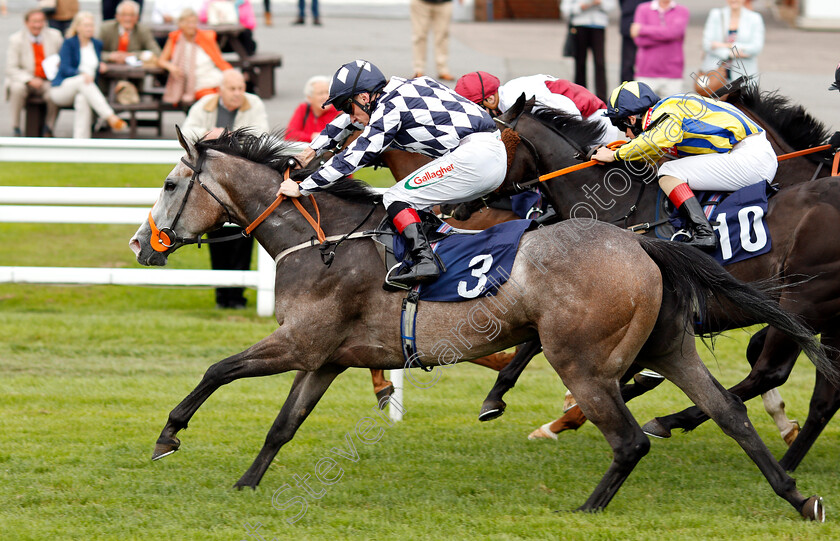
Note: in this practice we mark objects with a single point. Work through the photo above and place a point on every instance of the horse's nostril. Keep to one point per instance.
(134, 244)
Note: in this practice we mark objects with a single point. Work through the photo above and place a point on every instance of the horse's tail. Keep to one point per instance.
(694, 276)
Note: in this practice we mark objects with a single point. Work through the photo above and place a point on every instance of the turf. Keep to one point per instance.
(89, 374)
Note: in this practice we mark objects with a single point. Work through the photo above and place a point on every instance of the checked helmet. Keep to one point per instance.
(631, 98)
(353, 78)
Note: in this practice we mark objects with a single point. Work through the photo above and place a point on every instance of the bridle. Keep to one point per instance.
(165, 238)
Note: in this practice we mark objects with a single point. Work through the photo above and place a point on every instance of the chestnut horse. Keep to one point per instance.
(598, 298)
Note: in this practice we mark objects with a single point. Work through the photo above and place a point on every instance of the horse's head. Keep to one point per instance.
(193, 201)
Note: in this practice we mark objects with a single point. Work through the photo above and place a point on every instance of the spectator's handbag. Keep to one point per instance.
(126, 93)
(47, 6)
(570, 45)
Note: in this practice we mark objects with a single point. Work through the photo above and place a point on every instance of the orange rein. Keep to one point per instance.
(161, 242)
(315, 223)
(616, 144)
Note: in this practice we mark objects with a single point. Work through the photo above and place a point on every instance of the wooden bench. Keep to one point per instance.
(259, 70)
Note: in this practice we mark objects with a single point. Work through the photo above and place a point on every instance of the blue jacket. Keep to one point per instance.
(70, 57)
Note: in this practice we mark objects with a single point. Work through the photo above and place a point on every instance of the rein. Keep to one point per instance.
(165, 238)
(565, 170)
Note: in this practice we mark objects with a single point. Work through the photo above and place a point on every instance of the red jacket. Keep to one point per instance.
(304, 123)
(586, 102)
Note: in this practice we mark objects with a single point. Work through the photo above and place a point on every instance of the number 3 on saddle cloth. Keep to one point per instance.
(738, 221)
(474, 264)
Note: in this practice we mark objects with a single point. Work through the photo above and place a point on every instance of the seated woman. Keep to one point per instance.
(193, 60)
(75, 82)
(311, 117)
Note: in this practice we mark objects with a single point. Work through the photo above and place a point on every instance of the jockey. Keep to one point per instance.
(418, 115)
(719, 147)
(485, 89)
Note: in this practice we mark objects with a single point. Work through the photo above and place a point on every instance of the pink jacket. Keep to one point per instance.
(243, 8)
(660, 41)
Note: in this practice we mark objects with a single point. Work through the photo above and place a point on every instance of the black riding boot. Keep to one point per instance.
(425, 268)
(702, 235)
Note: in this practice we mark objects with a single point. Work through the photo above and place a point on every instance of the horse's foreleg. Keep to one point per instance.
(686, 370)
(771, 370)
(775, 407)
(493, 405)
(262, 359)
(381, 386)
(306, 391)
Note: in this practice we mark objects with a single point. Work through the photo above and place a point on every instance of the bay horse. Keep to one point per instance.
(803, 260)
(597, 297)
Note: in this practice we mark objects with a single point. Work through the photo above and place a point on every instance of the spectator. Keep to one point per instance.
(4, 9)
(628, 45)
(125, 36)
(659, 30)
(231, 108)
(24, 74)
(238, 11)
(193, 60)
(63, 14)
(435, 16)
(316, 20)
(589, 20)
(75, 82)
(267, 11)
(484, 89)
(111, 7)
(733, 32)
(311, 117)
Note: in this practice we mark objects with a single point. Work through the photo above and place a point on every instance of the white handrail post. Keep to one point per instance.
(396, 412)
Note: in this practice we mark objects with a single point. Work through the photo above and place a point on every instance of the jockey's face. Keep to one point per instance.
(632, 120)
(356, 113)
(491, 104)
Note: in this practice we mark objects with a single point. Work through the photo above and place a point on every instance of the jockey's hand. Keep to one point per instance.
(289, 188)
(604, 155)
(305, 156)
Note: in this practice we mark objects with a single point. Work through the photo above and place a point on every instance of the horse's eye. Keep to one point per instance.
(168, 186)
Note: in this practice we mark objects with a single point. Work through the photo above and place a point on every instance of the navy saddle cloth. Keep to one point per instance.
(476, 263)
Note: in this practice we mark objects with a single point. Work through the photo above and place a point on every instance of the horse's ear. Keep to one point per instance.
(182, 140)
(529, 103)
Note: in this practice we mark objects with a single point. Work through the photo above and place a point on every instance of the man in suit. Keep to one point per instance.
(628, 44)
(24, 74)
(231, 108)
(125, 36)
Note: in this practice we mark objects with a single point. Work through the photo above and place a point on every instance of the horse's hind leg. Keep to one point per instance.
(262, 359)
(771, 370)
(685, 369)
(824, 404)
(306, 391)
(493, 405)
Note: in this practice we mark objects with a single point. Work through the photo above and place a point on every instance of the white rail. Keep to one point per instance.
(25, 204)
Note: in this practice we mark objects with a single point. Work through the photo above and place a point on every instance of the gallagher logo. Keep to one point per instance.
(429, 177)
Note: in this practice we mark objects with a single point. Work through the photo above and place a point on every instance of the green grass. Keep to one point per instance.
(89, 374)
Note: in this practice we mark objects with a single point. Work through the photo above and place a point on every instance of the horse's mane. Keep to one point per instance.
(583, 132)
(272, 150)
(792, 122)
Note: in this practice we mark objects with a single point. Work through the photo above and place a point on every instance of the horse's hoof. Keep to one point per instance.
(165, 447)
(543, 433)
(491, 410)
(814, 509)
(655, 429)
(383, 394)
(791, 433)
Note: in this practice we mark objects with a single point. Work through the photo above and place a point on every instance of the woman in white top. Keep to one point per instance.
(75, 83)
(735, 35)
